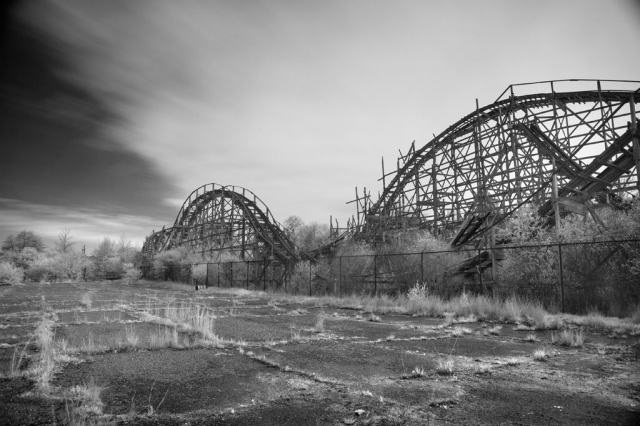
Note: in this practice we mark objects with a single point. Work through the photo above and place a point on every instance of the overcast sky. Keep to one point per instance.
(112, 112)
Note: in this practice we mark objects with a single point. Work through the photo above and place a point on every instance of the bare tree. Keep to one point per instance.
(64, 243)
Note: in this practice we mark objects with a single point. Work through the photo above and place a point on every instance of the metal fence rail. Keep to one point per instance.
(569, 277)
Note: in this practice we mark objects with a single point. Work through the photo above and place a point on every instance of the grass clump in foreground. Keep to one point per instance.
(188, 316)
(540, 355)
(571, 338)
(445, 367)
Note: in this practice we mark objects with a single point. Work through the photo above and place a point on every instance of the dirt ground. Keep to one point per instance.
(283, 363)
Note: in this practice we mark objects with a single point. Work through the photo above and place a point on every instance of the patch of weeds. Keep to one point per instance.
(88, 345)
(460, 331)
(445, 367)
(43, 369)
(319, 325)
(514, 360)
(164, 337)
(449, 318)
(495, 330)
(530, 338)
(86, 300)
(466, 319)
(540, 355)
(417, 372)
(481, 370)
(131, 338)
(572, 338)
(442, 402)
(523, 327)
(88, 395)
(150, 409)
(17, 359)
(295, 333)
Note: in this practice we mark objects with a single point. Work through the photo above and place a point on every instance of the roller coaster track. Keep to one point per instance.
(230, 219)
(501, 156)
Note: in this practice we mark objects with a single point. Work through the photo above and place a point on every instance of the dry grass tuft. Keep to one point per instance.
(514, 360)
(17, 359)
(445, 367)
(374, 318)
(417, 372)
(495, 330)
(460, 331)
(86, 300)
(540, 355)
(319, 325)
(572, 338)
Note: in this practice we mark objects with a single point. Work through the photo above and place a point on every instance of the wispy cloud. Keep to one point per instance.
(88, 226)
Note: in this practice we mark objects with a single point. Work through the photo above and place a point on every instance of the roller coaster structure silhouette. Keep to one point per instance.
(461, 183)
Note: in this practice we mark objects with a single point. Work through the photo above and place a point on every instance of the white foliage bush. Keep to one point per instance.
(418, 291)
(199, 273)
(302, 277)
(10, 274)
(131, 274)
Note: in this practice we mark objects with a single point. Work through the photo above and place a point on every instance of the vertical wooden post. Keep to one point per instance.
(561, 276)
(375, 273)
(634, 135)
(435, 195)
(309, 278)
(554, 198)
(340, 276)
(206, 279)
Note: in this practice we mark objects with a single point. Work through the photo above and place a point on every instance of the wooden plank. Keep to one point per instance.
(572, 206)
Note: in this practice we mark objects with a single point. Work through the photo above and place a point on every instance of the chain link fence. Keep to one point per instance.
(568, 277)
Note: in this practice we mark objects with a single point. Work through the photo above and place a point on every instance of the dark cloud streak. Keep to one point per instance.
(55, 146)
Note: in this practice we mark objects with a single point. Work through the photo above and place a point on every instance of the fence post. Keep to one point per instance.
(206, 278)
(340, 276)
(375, 274)
(309, 278)
(561, 276)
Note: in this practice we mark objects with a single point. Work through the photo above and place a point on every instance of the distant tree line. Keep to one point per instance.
(24, 257)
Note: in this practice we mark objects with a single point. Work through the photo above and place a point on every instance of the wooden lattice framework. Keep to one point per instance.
(216, 218)
(503, 155)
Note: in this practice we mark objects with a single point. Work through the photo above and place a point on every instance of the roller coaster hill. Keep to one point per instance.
(569, 151)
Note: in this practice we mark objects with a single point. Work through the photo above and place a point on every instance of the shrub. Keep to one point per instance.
(199, 273)
(301, 277)
(573, 338)
(40, 273)
(540, 355)
(445, 367)
(418, 291)
(10, 274)
(131, 274)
